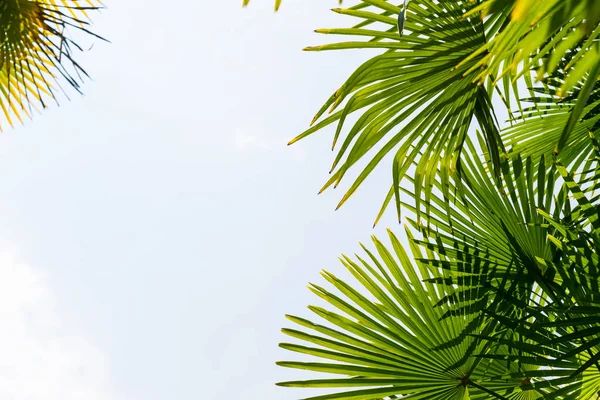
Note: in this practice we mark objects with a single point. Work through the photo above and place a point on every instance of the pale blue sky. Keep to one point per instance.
(159, 227)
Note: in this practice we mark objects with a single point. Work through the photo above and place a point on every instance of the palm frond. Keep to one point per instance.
(502, 295)
(551, 124)
(390, 340)
(412, 100)
(504, 282)
(556, 329)
(500, 223)
(37, 52)
(539, 34)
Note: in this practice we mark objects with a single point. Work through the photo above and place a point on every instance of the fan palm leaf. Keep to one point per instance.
(539, 34)
(561, 321)
(36, 52)
(417, 100)
(391, 341)
(413, 100)
(538, 129)
(573, 326)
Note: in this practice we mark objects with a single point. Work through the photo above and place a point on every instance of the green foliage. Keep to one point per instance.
(418, 100)
(415, 101)
(391, 340)
(498, 294)
(501, 301)
(539, 34)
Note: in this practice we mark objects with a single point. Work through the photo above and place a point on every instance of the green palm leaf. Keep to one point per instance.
(499, 296)
(560, 321)
(414, 102)
(539, 34)
(538, 129)
(390, 340)
(502, 298)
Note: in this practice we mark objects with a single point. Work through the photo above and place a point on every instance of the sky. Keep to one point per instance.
(156, 230)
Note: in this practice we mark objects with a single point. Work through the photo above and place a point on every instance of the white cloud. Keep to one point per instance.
(38, 360)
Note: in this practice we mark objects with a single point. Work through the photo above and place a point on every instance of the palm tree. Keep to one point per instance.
(498, 295)
(37, 52)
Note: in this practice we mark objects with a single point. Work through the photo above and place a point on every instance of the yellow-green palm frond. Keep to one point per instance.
(538, 35)
(36, 52)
